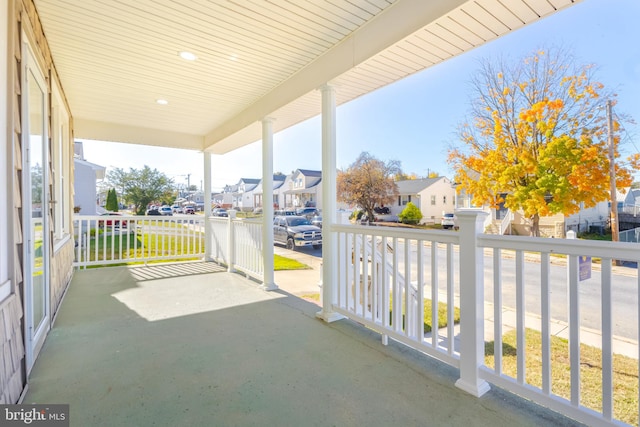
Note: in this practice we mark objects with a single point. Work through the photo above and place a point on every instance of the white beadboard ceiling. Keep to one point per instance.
(256, 58)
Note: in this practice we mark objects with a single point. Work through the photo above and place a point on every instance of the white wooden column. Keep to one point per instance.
(207, 207)
(471, 302)
(329, 205)
(267, 204)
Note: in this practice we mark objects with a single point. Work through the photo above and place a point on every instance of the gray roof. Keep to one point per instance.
(414, 186)
(307, 172)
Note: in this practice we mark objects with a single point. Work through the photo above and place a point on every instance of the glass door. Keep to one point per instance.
(36, 224)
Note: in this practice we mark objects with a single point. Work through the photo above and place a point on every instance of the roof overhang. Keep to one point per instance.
(255, 60)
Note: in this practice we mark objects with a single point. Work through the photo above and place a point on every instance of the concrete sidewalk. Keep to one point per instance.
(300, 282)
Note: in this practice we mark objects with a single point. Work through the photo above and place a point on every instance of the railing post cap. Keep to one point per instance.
(470, 213)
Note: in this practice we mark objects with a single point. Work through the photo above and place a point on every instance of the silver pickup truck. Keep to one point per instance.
(294, 231)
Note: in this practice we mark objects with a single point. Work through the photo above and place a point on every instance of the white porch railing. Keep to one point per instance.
(387, 277)
(384, 274)
(237, 243)
(105, 240)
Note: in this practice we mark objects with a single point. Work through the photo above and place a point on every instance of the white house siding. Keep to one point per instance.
(85, 195)
(433, 196)
(583, 220)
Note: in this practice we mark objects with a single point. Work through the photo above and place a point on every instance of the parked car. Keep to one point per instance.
(166, 210)
(295, 231)
(113, 222)
(307, 212)
(154, 212)
(221, 212)
(448, 221)
(282, 212)
(189, 210)
(176, 208)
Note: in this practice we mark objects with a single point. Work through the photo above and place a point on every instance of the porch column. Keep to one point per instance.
(329, 205)
(471, 302)
(207, 206)
(267, 204)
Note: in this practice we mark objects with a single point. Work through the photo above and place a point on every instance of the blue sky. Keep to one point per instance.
(414, 120)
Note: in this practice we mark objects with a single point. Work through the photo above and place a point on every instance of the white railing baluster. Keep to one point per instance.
(434, 294)
(520, 318)
(409, 316)
(386, 319)
(420, 291)
(607, 335)
(357, 253)
(574, 330)
(374, 280)
(545, 312)
(497, 310)
(397, 298)
(366, 277)
(451, 306)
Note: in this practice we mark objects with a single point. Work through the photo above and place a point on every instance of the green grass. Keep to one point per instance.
(141, 244)
(442, 314)
(282, 263)
(315, 296)
(625, 372)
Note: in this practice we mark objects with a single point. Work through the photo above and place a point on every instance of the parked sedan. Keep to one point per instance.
(220, 212)
(189, 210)
(166, 210)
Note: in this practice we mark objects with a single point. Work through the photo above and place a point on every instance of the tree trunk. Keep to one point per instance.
(535, 225)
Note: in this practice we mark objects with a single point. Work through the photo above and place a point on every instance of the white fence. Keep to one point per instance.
(237, 243)
(105, 240)
(515, 292)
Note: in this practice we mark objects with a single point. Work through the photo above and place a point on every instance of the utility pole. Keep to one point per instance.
(612, 177)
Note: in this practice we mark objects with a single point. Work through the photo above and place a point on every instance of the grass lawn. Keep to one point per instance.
(282, 263)
(442, 315)
(625, 372)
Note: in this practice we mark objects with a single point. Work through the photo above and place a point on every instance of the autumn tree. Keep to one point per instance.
(368, 182)
(538, 137)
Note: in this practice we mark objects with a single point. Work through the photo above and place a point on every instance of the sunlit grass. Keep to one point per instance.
(282, 263)
(625, 372)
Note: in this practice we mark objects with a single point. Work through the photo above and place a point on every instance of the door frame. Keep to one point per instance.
(34, 339)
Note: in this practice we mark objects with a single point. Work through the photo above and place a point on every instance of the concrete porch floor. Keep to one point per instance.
(192, 345)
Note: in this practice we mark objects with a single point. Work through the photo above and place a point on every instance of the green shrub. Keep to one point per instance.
(410, 215)
(356, 215)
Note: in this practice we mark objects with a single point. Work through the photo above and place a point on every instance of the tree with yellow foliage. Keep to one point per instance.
(538, 140)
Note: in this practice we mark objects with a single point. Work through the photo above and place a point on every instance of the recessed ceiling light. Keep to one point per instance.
(188, 56)
(162, 101)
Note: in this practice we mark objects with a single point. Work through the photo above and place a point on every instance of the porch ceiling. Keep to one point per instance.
(255, 59)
